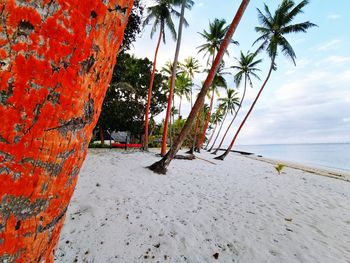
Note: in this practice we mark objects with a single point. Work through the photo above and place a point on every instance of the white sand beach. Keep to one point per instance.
(239, 210)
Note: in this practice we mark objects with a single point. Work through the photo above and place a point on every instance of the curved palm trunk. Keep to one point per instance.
(161, 165)
(222, 157)
(217, 136)
(52, 87)
(149, 96)
(211, 137)
(233, 119)
(173, 76)
(180, 107)
(191, 151)
(206, 122)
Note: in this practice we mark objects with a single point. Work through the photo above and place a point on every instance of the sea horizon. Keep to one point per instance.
(326, 155)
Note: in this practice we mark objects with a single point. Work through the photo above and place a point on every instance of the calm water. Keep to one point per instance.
(327, 155)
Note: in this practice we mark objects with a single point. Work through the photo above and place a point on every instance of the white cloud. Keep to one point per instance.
(334, 16)
(329, 45)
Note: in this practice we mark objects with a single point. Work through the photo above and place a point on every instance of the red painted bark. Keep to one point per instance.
(149, 96)
(56, 60)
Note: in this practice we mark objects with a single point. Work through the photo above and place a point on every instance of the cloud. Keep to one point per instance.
(334, 16)
(335, 60)
(329, 45)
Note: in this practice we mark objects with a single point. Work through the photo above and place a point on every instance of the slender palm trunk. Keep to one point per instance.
(149, 96)
(233, 119)
(222, 157)
(207, 118)
(180, 107)
(206, 121)
(191, 151)
(211, 136)
(173, 76)
(161, 165)
(53, 81)
(217, 136)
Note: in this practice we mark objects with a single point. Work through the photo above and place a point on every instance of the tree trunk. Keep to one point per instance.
(222, 157)
(191, 151)
(206, 121)
(180, 107)
(57, 59)
(211, 136)
(217, 136)
(161, 165)
(149, 96)
(233, 119)
(102, 138)
(173, 76)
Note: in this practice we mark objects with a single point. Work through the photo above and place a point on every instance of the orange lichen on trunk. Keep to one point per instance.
(56, 60)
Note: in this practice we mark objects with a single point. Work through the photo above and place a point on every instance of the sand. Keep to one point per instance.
(239, 210)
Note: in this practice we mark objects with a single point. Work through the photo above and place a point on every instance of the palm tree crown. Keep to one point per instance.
(274, 27)
(190, 67)
(162, 14)
(246, 67)
(229, 103)
(214, 37)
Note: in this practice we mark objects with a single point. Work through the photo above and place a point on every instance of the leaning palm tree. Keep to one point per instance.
(228, 104)
(247, 68)
(161, 13)
(213, 39)
(273, 30)
(184, 4)
(183, 86)
(219, 81)
(161, 165)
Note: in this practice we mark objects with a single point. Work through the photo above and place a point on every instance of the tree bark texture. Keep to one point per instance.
(56, 60)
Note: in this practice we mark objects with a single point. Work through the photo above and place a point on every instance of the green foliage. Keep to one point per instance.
(124, 105)
(279, 167)
(275, 26)
(133, 29)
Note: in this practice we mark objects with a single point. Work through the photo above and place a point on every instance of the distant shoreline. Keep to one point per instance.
(324, 171)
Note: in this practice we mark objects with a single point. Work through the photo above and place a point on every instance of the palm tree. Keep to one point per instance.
(48, 110)
(228, 105)
(183, 86)
(246, 68)
(161, 14)
(190, 67)
(273, 30)
(218, 82)
(216, 118)
(184, 4)
(213, 38)
(161, 165)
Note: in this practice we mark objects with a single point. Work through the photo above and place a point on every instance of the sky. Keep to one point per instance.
(306, 103)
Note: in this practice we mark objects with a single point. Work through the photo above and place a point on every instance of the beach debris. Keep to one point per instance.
(288, 229)
(279, 167)
(288, 219)
(216, 255)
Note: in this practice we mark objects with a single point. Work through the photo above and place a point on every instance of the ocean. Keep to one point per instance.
(328, 155)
